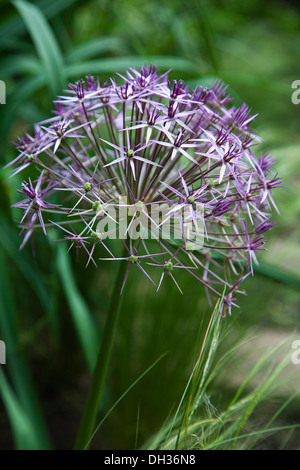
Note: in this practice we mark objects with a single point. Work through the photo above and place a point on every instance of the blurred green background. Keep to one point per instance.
(52, 308)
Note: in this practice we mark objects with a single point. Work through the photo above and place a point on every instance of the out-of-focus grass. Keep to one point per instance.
(250, 45)
(198, 424)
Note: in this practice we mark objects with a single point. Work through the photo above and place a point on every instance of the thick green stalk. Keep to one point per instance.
(99, 375)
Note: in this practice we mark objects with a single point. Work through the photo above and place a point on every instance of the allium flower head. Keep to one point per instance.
(113, 156)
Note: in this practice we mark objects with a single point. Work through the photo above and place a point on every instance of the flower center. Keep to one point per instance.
(168, 266)
(95, 236)
(87, 187)
(97, 206)
(139, 205)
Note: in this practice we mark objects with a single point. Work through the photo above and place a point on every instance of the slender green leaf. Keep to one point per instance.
(82, 317)
(207, 32)
(95, 48)
(16, 100)
(10, 243)
(278, 274)
(45, 44)
(24, 433)
(16, 362)
(122, 63)
(14, 27)
(122, 396)
(260, 433)
(20, 64)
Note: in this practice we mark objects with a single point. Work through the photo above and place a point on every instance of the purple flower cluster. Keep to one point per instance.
(152, 141)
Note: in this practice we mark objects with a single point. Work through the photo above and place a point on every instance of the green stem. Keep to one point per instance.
(99, 375)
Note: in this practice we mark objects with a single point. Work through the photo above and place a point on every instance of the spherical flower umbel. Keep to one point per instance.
(168, 172)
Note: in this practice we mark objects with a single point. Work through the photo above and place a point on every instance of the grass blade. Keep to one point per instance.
(122, 396)
(18, 368)
(95, 48)
(14, 27)
(277, 274)
(24, 433)
(45, 44)
(10, 243)
(122, 63)
(82, 317)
